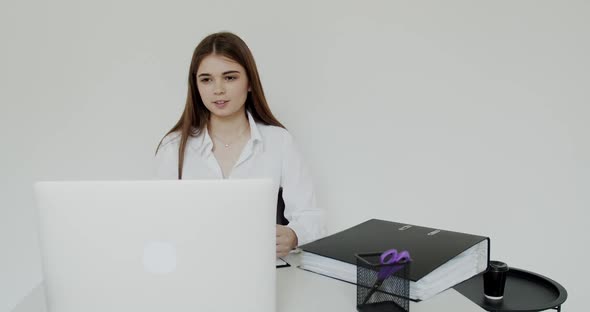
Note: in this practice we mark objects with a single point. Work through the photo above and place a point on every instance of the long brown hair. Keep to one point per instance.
(195, 116)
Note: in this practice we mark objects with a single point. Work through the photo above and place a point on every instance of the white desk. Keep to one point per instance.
(302, 291)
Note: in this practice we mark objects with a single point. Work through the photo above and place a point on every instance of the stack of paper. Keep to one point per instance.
(440, 259)
(467, 264)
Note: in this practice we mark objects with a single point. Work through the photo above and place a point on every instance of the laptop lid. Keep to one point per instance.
(198, 245)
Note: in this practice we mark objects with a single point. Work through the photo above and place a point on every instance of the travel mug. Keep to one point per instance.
(494, 280)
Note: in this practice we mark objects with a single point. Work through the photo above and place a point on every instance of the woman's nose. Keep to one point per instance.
(219, 88)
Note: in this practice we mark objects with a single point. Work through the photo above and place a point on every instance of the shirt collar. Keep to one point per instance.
(207, 144)
(254, 131)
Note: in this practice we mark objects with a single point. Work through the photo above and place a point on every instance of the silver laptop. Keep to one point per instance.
(200, 245)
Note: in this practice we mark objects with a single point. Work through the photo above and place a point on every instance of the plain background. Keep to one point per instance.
(463, 115)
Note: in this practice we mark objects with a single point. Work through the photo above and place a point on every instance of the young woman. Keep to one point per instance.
(228, 131)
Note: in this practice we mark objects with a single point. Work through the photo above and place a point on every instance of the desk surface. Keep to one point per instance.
(299, 290)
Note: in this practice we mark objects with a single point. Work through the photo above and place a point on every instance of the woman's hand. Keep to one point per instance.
(286, 240)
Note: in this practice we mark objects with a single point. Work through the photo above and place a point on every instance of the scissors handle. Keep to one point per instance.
(392, 256)
(388, 256)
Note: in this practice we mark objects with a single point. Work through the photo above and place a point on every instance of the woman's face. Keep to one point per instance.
(223, 85)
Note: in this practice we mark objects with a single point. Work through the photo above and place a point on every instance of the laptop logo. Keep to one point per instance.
(159, 257)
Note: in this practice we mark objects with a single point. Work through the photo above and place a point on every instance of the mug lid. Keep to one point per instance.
(498, 266)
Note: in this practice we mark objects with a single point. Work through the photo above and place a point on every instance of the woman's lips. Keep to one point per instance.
(220, 104)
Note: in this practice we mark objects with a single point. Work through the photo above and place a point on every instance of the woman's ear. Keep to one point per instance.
(249, 89)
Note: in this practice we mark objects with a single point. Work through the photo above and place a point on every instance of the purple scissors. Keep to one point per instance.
(388, 258)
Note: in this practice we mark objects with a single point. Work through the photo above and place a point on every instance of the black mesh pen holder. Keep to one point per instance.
(381, 287)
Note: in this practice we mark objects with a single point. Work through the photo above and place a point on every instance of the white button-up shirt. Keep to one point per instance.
(270, 153)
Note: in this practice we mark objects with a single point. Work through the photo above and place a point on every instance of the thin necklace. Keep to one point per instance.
(228, 145)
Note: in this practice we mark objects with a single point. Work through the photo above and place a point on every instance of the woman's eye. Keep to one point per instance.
(230, 78)
(205, 80)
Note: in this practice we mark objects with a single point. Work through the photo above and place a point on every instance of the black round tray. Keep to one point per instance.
(524, 292)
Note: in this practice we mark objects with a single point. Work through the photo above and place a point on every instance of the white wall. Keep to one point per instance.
(463, 115)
